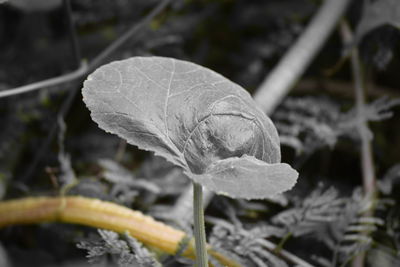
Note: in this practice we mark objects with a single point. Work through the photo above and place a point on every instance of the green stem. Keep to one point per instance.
(199, 229)
(279, 247)
(105, 215)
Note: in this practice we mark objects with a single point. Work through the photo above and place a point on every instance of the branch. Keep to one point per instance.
(92, 65)
(83, 69)
(281, 79)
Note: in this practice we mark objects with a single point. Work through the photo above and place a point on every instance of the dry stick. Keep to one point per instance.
(100, 214)
(92, 65)
(281, 79)
(83, 69)
(279, 82)
(367, 162)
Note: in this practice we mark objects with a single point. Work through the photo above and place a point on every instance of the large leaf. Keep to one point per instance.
(194, 118)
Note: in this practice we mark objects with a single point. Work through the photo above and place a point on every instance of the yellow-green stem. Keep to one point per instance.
(100, 214)
(279, 247)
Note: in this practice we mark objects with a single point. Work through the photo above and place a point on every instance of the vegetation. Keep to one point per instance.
(324, 75)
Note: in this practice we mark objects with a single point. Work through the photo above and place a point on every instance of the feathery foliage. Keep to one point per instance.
(125, 251)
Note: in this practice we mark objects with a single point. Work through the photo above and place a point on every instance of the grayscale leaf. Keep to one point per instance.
(257, 178)
(188, 114)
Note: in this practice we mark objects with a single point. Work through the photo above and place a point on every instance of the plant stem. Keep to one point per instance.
(280, 245)
(182, 212)
(104, 215)
(199, 229)
(367, 162)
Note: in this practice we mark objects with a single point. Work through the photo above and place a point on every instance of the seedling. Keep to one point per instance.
(196, 119)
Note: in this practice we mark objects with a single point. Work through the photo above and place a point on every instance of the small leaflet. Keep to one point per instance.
(248, 178)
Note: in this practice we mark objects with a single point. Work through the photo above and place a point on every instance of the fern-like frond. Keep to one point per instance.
(126, 251)
(338, 222)
(309, 123)
(245, 245)
(311, 214)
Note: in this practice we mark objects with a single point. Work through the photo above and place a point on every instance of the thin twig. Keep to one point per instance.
(73, 38)
(47, 83)
(367, 162)
(281, 79)
(92, 65)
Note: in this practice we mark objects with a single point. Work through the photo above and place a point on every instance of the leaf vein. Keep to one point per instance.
(167, 98)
